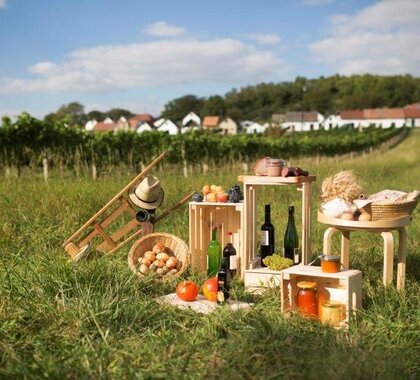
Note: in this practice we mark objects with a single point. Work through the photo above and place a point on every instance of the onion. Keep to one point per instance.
(171, 262)
(158, 247)
(162, 256)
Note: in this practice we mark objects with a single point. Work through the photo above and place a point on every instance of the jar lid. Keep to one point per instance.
(330, 258)
(332, 304)
(276, 161)
(306, 284)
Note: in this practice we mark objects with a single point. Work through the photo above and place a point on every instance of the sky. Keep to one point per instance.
(138, 55)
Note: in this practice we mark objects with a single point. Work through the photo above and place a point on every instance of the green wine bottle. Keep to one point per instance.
(291, 240)
(214, 253)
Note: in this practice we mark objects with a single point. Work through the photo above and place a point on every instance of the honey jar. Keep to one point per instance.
(306, 298)
(330, 263)
(332, 313)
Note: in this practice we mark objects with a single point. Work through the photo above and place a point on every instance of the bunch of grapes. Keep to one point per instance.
(235, 194)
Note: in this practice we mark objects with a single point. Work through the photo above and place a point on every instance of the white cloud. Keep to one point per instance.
(162, 29)
(2, 4)
(154, 64)
(317, 2)
(382, 38)
(265, 38)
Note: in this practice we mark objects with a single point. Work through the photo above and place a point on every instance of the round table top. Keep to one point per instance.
(343, 224)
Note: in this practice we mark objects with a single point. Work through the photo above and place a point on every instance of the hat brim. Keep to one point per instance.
(147, 205)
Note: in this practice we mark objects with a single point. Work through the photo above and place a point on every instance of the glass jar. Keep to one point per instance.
(332, 313)
(330, 263)
(306, 298)
(274, 167)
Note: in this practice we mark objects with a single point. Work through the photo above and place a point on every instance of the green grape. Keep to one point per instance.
(277, 262)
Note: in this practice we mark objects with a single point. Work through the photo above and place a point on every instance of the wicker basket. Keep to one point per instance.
(174, 247)
(383, 211)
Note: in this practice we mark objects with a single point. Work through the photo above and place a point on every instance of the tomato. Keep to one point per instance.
(187, 290)
(210, 289)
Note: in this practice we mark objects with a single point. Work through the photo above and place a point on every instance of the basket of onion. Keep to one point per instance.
(158, 254)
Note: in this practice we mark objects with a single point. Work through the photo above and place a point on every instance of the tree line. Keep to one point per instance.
(325, 94)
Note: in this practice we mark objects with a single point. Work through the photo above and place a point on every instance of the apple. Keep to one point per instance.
(222, 197)
(211, 197)
(206, 189)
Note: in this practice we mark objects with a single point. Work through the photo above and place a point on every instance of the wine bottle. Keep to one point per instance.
(267, 236)
(214, 251)
(230, 252)
(291, 240)
(223, 278)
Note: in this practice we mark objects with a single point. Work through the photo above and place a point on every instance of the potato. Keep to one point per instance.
(162, 256)
(171, 262)
(143, 268)
(158, 263)
(158, 247)
(150, 256)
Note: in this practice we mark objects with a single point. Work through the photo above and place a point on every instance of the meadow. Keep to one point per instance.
(95, 319)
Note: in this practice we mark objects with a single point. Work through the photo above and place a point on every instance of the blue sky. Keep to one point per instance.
(139, 55)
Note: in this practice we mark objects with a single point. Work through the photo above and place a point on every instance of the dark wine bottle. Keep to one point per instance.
(267, 236)
(223, 278)
(230, 252)
(291, 240)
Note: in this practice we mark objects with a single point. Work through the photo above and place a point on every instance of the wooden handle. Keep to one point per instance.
(117, 196)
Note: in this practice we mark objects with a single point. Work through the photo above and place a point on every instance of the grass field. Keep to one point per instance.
(94, 319)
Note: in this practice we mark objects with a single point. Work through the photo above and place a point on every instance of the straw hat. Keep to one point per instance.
(148, 194)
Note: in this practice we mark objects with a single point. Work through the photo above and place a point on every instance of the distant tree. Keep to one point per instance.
(74, 112)
(214, 105)
(116, 113)
(97, 115)
(178, 108)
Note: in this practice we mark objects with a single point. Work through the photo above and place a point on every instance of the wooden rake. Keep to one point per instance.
(80, 243)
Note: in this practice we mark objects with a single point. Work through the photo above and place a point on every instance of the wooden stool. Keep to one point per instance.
(383, 227)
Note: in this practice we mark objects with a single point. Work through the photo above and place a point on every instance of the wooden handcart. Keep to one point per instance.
(85, 239)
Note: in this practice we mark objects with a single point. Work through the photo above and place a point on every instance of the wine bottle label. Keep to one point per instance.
(264, 238)
(232, 262)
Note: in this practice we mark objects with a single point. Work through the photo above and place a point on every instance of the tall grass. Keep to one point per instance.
(94, 319)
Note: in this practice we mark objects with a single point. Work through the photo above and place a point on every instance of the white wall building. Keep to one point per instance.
(144, 127)
(192, 119)
(303, 121)
(169, 127)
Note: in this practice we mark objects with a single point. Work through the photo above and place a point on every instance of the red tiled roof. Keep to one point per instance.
(302, 116)
(384, 113)
(412, 111)
(351, 115)
(104, 127)
(211, 121)
(140, 118)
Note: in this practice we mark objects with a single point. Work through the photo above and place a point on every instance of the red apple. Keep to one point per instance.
(222, 197)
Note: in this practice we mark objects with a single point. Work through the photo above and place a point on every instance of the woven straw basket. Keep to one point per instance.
(174, 247)
(381, 211)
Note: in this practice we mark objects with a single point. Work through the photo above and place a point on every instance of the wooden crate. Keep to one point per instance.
(257, 279)
(203, 215)
(344, 286)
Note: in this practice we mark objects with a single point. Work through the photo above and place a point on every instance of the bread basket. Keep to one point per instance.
(388, 210)
(174, 247)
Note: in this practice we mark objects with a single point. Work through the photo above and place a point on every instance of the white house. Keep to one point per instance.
(412, 115)
(254, 127)
(303, 121)
(159, 122)
(332, 121)
(122, 124)
(228, 126)
(189, 129)
(144, 127)
(90, 124)
(169, 127)
(192, 119)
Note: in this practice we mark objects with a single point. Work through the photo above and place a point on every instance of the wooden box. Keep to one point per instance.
(344, 287)
(259, 278)
(228, 217)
